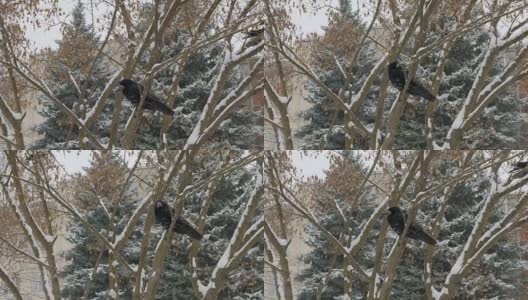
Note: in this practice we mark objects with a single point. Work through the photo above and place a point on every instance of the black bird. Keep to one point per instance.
(397, 78)
(254, 33)
(163, 215)
(397, 219)
(519, 166)
(132, 91)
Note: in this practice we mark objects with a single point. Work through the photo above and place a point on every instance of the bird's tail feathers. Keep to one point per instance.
(182, 226)
(164, 108)
(428, 95)
(428, 239)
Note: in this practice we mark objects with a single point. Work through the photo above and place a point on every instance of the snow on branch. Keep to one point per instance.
(289, 196)
(278, 247)
(237, 247)
(210, 119)
(184, 189)
(156, 193)
(41, 86)
(294, 59)
(275, 240)
(39, 235)
(244, 84)
(228, 168)
(280, 104)
(358, 242)
(481, 239)
(508, 219)
(410, 38)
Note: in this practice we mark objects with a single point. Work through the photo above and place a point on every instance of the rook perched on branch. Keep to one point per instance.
(398, 79)
(397, 219)
(132, 91)
(253, 37)
(519, 166)
(254, 33)
(182, 226)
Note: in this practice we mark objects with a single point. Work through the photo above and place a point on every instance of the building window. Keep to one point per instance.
(3, 289)
(36, 285)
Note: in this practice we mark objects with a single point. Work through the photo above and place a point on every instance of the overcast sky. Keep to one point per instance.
(313, 164)
(74, 161)
(306, 22)
(46, 35)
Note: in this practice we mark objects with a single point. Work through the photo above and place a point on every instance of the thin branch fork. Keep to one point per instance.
(267, 262)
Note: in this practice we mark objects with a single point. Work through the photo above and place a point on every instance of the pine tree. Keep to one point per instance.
(246, 281)
(75, 54)
(497, 275)
(499, 272)
(325, 128)
(497, 127)
(324, 274)
(104, 177)
(195, 84)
